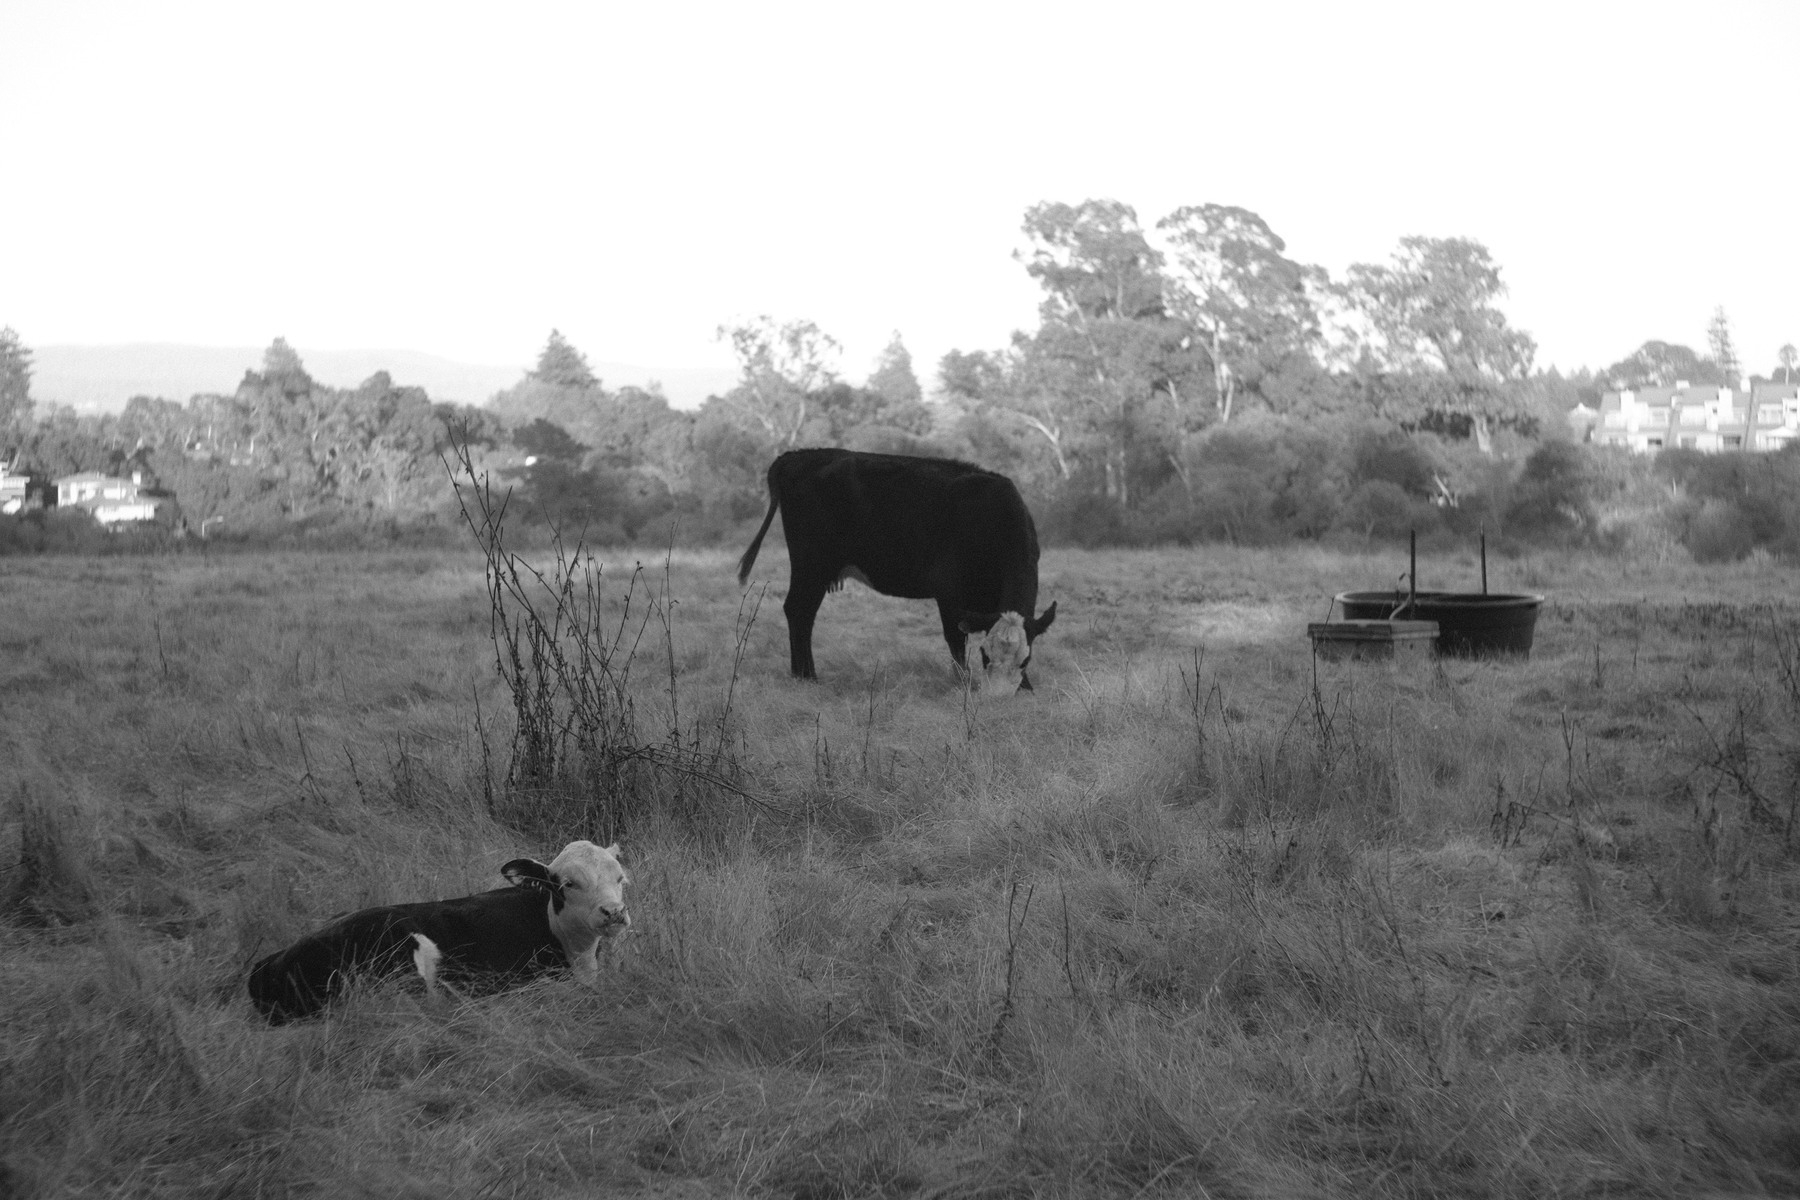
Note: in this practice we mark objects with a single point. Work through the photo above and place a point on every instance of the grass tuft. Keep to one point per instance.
(50, 883)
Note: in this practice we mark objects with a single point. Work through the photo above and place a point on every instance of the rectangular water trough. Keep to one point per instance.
(1402, 643)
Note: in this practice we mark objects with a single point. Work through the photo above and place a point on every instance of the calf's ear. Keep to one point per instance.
(1034, 628)
(977, 622)
(527, 872)
(614, 851)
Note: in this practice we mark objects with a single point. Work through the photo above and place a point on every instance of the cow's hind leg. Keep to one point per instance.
(802, 607)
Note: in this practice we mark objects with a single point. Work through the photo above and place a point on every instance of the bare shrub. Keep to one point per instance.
(579, 760)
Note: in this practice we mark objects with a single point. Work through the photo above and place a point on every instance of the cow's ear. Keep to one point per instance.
(526, 872)
(977, 622)
(614, 851)
(1034, 628)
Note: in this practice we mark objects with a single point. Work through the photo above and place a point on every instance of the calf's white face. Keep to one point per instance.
(593, 888)
(588, 903)
(1003, 651)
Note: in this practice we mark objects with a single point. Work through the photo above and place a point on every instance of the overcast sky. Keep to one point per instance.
(458, 179)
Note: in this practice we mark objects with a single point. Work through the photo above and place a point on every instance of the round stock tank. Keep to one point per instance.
(1470, 624)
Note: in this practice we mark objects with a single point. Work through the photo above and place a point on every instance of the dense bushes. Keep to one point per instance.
(1727, 505)
(58, 531)
(1267, 482)
(287, 461)
(73, 531)
(1553, 498)
(1255, 484)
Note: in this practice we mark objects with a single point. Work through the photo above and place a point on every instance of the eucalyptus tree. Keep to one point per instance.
(783, 365)
(1433, 315)
(1660, 364)
(1106, 347)
(1246, 300)
(996, 383)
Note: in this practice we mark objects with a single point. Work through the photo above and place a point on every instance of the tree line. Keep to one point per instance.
(1185, 381)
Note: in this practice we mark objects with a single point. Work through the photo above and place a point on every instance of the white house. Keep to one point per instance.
(13, 490)
(113, 500)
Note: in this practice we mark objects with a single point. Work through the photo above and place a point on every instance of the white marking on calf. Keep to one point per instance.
(426, 958)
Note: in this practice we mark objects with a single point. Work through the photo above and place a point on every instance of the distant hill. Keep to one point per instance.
(103, 378)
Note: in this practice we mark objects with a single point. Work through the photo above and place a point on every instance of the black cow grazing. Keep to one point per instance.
(550, 917)
(921, 528)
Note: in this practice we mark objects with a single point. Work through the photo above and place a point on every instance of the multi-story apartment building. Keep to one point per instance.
(1766, 417)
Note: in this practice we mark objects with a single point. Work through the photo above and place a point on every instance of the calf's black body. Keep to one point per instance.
(503, 935)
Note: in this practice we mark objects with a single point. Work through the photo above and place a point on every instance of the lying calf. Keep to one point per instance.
(549, 917)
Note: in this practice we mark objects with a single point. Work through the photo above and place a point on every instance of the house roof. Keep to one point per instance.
(1665, 397)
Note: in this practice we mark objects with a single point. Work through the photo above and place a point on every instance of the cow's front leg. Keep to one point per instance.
(951, 615)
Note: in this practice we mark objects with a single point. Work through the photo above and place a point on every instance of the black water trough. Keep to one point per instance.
(1470, 624)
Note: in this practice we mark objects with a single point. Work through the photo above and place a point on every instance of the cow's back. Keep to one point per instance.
(915, 527)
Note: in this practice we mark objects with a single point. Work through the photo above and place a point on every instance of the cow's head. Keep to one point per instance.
(585, 886)
(1004, 650)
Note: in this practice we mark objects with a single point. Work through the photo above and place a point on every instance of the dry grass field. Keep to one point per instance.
(1191, 920)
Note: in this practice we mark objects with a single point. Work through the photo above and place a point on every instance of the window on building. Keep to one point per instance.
(1733, 442)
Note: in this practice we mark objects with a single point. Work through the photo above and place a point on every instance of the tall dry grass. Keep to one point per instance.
(1193, 919)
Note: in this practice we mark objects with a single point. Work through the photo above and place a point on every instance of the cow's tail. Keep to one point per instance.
(749, 559)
